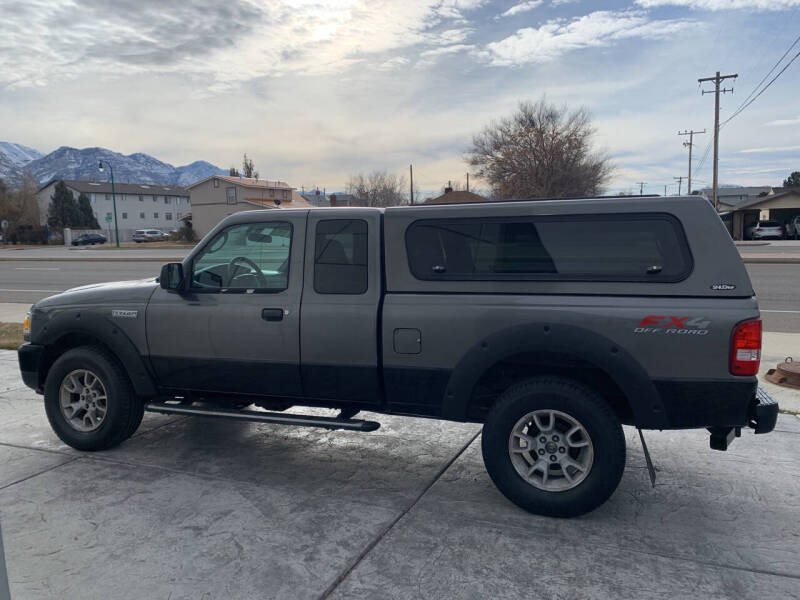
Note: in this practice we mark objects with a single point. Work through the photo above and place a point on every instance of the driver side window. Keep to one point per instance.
(250, 256)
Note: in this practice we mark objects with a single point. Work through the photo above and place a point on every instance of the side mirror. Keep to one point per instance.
(171, 277)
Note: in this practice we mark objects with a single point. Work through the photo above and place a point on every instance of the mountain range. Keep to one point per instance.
(17, 160)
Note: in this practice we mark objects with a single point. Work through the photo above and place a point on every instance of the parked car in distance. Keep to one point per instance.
(89, 239)
(551, 323)
(149, 235)
(764, 230)
(794, 228)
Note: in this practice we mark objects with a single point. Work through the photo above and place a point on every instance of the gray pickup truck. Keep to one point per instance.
(552, 323)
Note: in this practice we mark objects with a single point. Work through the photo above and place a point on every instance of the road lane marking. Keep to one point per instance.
(37, 268)
(791, 312)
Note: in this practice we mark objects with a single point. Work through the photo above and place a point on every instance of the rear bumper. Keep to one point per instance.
(30, 358)
(762, 415)
(763, 412)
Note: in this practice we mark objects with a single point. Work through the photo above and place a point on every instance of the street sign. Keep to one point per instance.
(108, 218)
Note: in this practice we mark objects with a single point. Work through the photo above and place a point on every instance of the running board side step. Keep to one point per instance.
(262, 417)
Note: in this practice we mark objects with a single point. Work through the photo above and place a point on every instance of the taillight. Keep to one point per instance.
(746, 348)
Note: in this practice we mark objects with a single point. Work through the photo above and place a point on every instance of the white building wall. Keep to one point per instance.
(133, 213)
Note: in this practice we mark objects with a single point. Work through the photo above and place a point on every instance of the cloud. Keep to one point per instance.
(557, 36)
(429, 57)
(780, 122)
(769, 149)
(560, 2)
(520, 8)
(221, 44)
(723, 4)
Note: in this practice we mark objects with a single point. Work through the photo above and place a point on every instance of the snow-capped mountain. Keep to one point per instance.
(13, 157)
(74, 163)
(18, 154)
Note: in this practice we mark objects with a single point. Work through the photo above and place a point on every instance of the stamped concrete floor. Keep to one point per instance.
(192, 508)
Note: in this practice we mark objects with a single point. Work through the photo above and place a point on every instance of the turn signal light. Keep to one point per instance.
(26, 328)
(746, 348)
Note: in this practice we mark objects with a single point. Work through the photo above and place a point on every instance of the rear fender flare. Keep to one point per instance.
(577, 342)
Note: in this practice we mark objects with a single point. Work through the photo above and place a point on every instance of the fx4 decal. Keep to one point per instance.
(673, 325)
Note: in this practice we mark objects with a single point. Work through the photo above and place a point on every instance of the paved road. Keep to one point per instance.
(777, 286)
(29, 281)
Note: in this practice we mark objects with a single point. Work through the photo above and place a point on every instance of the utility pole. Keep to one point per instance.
(680, 181)
(467, 181)
(411, 179)
(717, 79)
(690, 143)
(641, 186)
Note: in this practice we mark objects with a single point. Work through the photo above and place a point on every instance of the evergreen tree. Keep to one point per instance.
(85, 212)
(63, 210)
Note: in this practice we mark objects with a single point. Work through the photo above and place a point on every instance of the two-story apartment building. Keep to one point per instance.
(139, 205)
(218, 196)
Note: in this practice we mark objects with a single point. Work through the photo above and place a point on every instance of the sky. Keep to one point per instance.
(318, 90)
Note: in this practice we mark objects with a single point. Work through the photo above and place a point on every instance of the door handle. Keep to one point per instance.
(272, 314)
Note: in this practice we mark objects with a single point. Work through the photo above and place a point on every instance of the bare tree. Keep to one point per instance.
(379, 188)
(248, 168)
(541, 151)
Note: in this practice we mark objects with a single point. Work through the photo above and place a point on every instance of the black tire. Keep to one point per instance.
(124, 410)
(579, 402)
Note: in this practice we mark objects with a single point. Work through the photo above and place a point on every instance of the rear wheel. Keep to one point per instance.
(89, 400)
(554, 447)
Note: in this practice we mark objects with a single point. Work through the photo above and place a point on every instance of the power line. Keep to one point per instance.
(764, 89)
(763, 79)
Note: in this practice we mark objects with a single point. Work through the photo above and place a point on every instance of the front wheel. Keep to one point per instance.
(89, 400)
(554, 447)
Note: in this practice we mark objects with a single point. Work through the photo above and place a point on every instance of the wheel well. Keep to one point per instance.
(62, 345)
(500, 376)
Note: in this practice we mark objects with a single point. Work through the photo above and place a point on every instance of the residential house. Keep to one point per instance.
(218, 196)
(780, 204)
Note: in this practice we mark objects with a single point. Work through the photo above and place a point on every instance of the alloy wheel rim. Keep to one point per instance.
(83, 400)
(551, 450)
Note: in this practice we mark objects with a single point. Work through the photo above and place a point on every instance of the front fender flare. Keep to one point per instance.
(554, 338)
(108, 333)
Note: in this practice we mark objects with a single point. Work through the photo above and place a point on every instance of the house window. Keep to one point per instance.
(155, 215)
(141, 215)
(141, 198)
(155, 198)
(108, 196)
(285, 194)
(124, 215)
(271, 193)
(216, 183)
(168, 216)
(166, 200)
(108, 216)
(230, 194)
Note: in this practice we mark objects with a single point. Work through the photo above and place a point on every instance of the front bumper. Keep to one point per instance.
(30, 358)
(761, 417)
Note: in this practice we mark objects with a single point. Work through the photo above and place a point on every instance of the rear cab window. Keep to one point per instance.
(646, 247)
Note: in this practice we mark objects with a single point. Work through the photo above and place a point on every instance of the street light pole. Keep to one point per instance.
(113, 198)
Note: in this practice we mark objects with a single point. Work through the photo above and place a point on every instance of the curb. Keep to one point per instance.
(771, 260)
